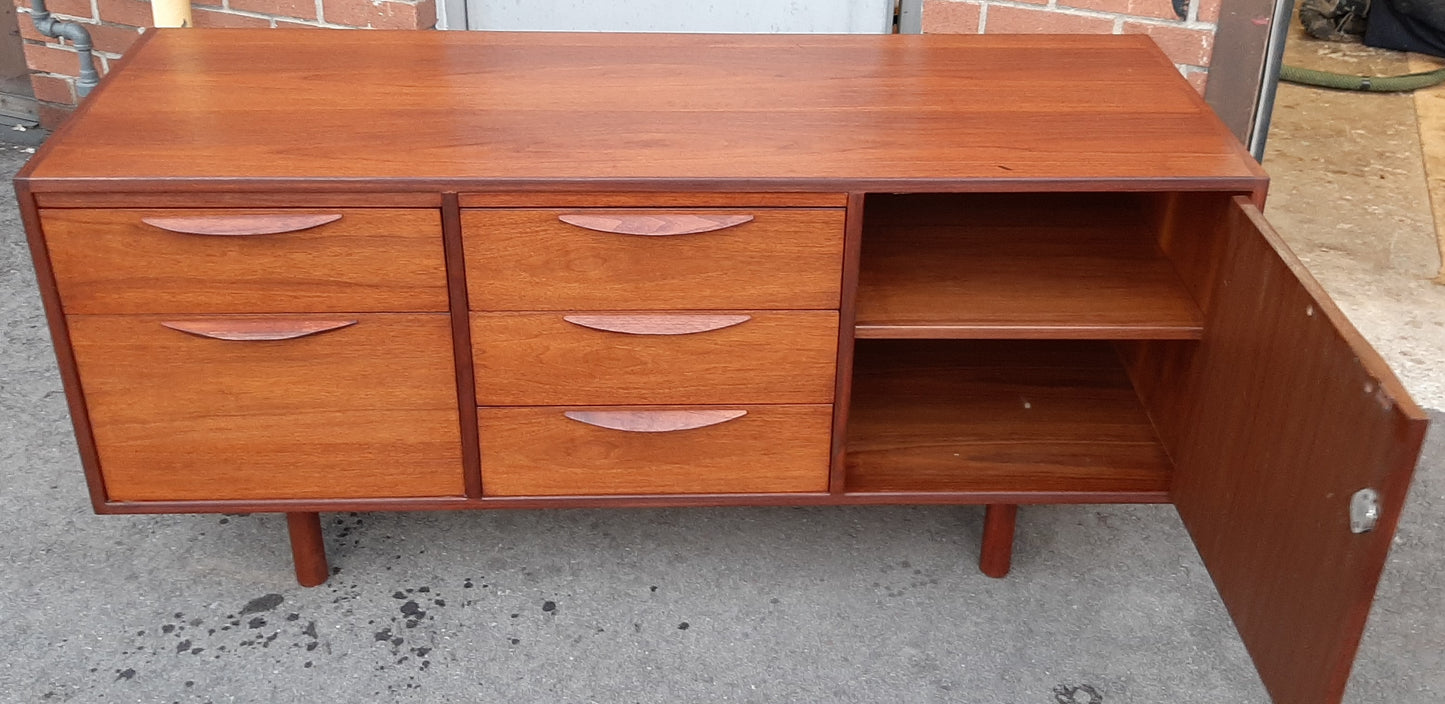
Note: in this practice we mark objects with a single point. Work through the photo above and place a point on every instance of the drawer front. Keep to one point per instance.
(221, 261)
(289, 407)
(778, 258)
(541, 359)
(582, 451)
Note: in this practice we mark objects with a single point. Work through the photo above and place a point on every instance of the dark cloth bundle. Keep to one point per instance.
(1403, 25)
(1407, 25)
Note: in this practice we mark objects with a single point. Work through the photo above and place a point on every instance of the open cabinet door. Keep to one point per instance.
(1281, 413)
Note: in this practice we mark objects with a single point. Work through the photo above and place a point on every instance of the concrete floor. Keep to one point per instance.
(1105, 604)
(1348, 192)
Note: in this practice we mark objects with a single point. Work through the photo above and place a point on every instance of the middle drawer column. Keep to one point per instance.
(651, 351)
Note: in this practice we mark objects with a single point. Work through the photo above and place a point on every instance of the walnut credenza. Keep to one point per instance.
(305, 272)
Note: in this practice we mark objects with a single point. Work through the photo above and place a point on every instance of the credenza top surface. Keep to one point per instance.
(490, 111)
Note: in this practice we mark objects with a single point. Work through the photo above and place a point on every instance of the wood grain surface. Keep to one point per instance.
(530, 260)
(1191, 232)
(308, 548)
(653, 199)
(953, 416)
(1018, 266)
(461, 503)
(297, 195)
(539, 359)
(367, 411)
(250, 108)
(461, 341)
(995, 556)
(1274, 419)
(541, 452)
(847, 314)
(60, 341)
(109, 261)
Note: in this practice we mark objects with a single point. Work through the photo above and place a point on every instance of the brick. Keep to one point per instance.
(1018, 20)
(113, 38)
(1208, 10)
(380, 15)
(28, 31)
(288, 24)
(350, 13)
(1183, 45)
(950, 17)
(71, 8)
(52, 115)
(218, 18)
(1163, 9)
(50, 59)
(1198, 79)
(398, 15)
(131, 12)
(53, 89)
(300, 9)
(208, 3)
(394, 15)
(426, 14)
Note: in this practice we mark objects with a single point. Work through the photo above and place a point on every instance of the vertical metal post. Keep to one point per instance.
(910, 16)
(452, 14)
(1269, 87)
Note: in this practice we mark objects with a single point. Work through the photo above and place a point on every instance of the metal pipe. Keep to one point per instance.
(1269, 85)
(77, 35)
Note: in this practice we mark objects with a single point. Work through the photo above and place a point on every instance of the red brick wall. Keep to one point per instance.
(1188, 40)
(115, 24)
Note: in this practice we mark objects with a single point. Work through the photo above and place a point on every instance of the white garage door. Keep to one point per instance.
(791, 16)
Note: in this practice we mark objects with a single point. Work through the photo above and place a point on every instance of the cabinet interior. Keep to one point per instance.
(1019, 265)
(994, 340)
(998, 416)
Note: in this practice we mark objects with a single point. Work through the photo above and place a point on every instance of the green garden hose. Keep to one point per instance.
(1373, 84)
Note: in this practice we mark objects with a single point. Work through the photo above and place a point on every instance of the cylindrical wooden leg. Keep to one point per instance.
(307, 548)
(998, 539)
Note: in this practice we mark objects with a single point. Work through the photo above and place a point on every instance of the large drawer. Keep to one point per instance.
(583, 451)
(758, 258)
(542, 359)
(366, 410)
(251, 261)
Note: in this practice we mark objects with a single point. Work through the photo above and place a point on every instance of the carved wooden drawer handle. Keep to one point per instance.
(655, 225)
(240, 225)
(657, 324)
(256, 330)
(653, 421)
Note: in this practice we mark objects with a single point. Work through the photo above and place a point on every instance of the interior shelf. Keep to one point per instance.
(1046, 417)
(1018, 265)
